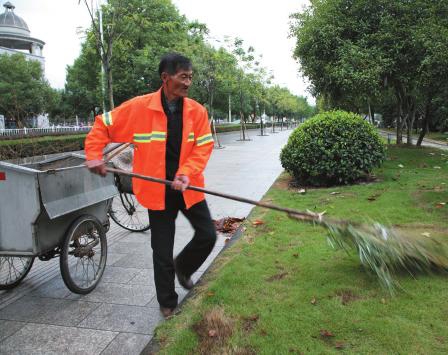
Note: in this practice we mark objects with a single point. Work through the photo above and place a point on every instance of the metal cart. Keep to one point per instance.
(54, 208)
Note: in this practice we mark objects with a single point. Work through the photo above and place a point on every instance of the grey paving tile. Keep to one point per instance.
(48, 310)
(134, 295)
(143, 277)
(40, 339)
(9, 327)
(135, 261)
(144, 237)
(127, 343)
(114, 257)
(55, 288)
(119, 274)
(122, 318)
(131, 248)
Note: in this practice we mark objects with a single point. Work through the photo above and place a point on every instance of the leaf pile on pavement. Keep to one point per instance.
(228, 225)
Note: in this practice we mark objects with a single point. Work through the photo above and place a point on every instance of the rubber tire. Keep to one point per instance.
(63, 261)
(19, 280)
(117, 221)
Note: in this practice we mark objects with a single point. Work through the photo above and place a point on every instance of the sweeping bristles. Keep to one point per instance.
(386, 251)
(383, 250)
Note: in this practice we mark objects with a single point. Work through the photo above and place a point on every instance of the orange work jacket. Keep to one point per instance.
(142, 121)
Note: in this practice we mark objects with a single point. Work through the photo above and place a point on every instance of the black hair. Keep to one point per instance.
(171, 63)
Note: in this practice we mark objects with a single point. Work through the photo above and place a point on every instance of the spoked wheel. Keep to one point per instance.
(129, 214)
(13, 270)
(83, 256)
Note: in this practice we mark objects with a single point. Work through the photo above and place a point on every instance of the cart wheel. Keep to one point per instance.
(83, 255)
(13, 269)
(128, 213)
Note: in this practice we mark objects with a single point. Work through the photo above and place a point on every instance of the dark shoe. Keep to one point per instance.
(184, 281)
(167, 311)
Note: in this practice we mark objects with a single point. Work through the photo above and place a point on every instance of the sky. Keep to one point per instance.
(263, 24)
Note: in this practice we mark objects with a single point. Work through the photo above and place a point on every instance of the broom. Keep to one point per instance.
(383, 250)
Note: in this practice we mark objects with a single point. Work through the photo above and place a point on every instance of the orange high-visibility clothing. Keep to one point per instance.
(142, 121)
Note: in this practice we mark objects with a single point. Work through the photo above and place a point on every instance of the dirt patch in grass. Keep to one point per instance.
(277, 277)
(213, 330)
(250, 322)
(347, 296)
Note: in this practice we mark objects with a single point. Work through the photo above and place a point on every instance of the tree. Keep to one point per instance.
(24, 92)
(356, 52)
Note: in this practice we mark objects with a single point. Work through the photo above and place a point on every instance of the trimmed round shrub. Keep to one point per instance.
(332, 148)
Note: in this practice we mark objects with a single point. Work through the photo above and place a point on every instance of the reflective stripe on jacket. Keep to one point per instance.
(142, 121)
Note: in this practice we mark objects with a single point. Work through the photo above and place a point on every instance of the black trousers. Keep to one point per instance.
(162, 242)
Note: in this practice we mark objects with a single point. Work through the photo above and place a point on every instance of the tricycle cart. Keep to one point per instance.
(54, 208)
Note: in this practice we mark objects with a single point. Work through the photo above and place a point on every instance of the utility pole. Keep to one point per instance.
(103, 73)
(230, 110)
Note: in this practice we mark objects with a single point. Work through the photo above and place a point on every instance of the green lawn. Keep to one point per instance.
(281, 289)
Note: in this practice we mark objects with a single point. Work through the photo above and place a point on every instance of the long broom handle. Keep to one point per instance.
(305, 215)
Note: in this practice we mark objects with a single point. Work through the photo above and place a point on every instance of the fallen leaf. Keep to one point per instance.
(373, 197)
(271, 233)
(210, 294)
(296, 255)
(339, 345)
(437, 167)
(426, 234)
(334, 193)
(228, 224)
(440, 204)
(257, 222)
(400, 165)
(313, 301)
(212, 333)
(383, 301)
(326, 334)
(432, 153)
(227, 240)
(301, 191)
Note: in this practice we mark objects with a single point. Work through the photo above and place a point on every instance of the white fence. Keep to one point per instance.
(16, 132)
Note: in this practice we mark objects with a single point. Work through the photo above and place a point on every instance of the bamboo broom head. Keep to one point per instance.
(385, 250)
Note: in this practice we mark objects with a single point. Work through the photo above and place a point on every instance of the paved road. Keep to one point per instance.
(41, 316)
(426, 142)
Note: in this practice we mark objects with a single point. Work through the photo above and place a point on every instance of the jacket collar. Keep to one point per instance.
(155, 102)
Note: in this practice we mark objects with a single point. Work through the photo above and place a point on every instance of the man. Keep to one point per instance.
(172, 140)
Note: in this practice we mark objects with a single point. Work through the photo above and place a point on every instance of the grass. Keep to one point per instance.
(281, 289)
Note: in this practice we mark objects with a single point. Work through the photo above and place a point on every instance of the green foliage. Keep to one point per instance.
(334, 147)
(24, 93)
(144, 30)
(361, 53)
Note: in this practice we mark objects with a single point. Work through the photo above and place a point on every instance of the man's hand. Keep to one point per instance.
(180, 183)
(97, 167)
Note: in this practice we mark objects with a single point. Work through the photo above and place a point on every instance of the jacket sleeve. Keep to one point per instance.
(203, 146)
(114, 126)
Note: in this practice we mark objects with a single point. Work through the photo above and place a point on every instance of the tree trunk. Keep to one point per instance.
(425, 123)
(411, 119)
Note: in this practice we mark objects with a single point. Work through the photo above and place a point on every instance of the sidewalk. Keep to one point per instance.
(41, 316)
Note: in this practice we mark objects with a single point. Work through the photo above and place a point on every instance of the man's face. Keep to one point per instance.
(177, 85)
